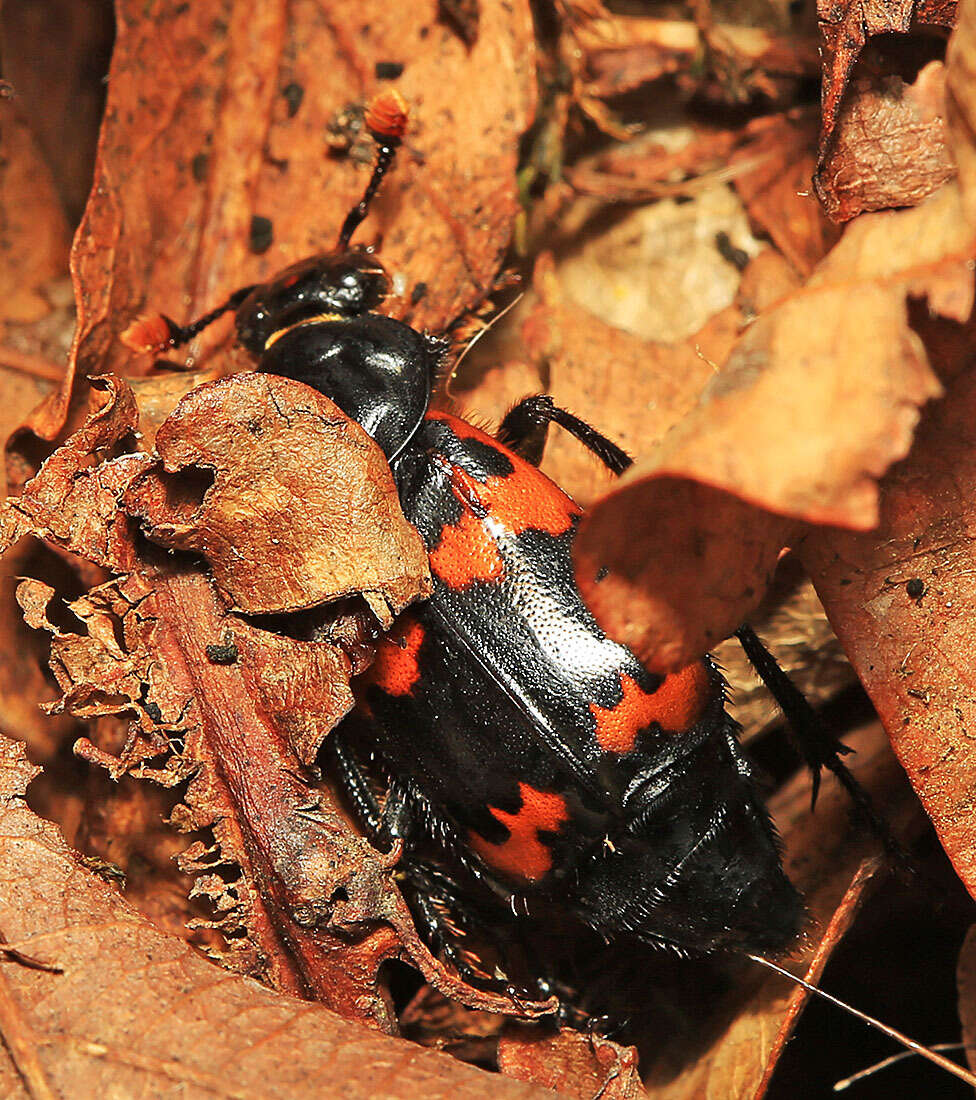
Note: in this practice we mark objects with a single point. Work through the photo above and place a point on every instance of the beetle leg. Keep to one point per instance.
(357, 786)
(159, 332)
(816, 744)
(444, 919)
(397, 821)
(526, 426)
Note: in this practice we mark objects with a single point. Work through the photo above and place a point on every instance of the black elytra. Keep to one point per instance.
(534, 755)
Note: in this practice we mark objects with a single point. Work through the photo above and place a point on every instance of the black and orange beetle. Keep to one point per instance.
(538, 756)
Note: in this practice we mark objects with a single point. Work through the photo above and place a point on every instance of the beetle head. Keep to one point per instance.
(334, 285)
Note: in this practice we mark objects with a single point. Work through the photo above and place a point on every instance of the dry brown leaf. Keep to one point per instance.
(284, 495)
(33, 230)
(769, 162)
(128, 1010)
(672, 570)
(54, 52)
(900, 600)
(74, 500)
(34, 241)
(889, 148)
(658, 271)
(820, 395)
(573, 1065)
(847, 24)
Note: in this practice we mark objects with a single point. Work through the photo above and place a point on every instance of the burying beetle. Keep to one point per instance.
(540, 758)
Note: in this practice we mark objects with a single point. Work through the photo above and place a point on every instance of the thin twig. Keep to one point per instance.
(893, 1033)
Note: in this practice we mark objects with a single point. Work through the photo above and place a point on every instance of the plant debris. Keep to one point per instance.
(760, 287)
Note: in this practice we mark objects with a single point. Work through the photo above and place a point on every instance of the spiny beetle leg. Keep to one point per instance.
(443, 918)
(398, 820)
(818, 747)
(357, 786)
(816, 744)
(526, 426)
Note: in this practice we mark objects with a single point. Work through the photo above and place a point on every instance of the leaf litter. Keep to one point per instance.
(765, 417)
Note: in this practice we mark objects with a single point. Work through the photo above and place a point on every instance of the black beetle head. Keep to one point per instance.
(337, 284)
(377, 370)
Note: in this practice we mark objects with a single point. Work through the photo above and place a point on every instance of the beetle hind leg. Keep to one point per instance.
(818, 747)
(441, 911)
(445, 919)
(384, 823)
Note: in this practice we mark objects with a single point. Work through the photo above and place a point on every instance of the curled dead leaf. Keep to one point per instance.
(846, 25)
(819, 396)
(889, 148)
(291, 503)
(73, 502)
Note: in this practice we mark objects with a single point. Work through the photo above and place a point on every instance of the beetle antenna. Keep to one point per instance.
(477, 336)
(159, 332)
(933, 1056)
(386, 120)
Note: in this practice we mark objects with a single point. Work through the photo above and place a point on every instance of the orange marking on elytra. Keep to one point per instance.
(524, 500)
(523, 854)
(676, 706)
(395, 669)
(466, 553)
